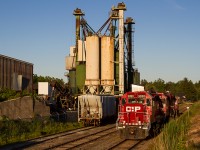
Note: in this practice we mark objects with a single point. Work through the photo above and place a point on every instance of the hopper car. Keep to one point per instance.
(96, 109)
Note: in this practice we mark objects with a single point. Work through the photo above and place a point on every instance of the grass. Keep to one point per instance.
(18, 131)
(174, 134)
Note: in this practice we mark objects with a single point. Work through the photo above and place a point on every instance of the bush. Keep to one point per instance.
(6, 94)
(18, 130)
(174, 135)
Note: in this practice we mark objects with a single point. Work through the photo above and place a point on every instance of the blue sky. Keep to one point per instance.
(166, 39)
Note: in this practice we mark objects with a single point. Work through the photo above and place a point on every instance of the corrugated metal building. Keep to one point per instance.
(15, 74)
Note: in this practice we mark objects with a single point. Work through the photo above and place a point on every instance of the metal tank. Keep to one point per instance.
(81, 50)
(107, 64)
(70, 61)
(92, 64)
(80, 77)
(72, 80)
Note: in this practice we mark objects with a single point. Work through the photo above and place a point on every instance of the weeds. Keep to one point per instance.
(16, 131)
(174, 134)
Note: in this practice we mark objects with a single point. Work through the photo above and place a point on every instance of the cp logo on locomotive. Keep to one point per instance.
(132, 108)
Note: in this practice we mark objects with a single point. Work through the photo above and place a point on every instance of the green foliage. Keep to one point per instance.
(188, 88)
(6, 94)
(37, 79)
(174, 134)
(197, 86)
(183, 87)
(16, 131)
(170, 86)
(160, 85)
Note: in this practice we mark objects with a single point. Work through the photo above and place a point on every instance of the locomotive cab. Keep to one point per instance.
(134, 115)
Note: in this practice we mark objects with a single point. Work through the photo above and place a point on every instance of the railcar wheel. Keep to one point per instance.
(97, 123)
(84, 124)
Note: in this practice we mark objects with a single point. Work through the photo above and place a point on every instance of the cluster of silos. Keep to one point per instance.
(95, 65)
(99, 64)
(98, 55)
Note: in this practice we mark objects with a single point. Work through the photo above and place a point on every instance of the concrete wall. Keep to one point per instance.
(22, 108)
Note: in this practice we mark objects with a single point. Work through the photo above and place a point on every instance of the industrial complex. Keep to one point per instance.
(102, 62)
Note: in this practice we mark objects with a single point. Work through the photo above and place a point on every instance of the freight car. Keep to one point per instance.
(139, 115)
(173, 105)
(96, 109)
(166, 108)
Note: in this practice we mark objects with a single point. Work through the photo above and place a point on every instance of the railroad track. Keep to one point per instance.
(43, 139)
(84, 141)
(126, 144)
(75, 138)
(104, 137)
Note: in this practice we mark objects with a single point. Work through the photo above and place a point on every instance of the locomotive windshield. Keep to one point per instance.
(131, 99)
(138, 99)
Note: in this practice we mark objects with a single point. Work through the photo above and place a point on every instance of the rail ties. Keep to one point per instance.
(126, 144)
(44, 139)
(85, 139)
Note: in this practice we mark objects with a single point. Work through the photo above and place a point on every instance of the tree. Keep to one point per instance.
(160, 85)
(170, 86)
(144, 82)
(49, 79)
(197, 86)
(183, 87)
(187, 87)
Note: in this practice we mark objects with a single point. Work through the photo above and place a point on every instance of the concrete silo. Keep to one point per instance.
(92, 81)
(107, 64)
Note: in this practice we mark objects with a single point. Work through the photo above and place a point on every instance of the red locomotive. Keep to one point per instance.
(140, 115)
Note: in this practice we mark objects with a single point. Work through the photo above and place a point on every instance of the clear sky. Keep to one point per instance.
(166, 39)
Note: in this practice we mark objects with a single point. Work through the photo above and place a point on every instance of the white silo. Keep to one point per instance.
(92, 64)
(107, 63)
(81, 50)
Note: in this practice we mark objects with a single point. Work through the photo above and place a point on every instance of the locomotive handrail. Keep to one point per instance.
(135, 112)
(130, 121)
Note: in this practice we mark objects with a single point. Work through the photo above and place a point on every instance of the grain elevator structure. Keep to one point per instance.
(102, 62)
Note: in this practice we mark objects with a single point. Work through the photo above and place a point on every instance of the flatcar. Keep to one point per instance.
(139, 115)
